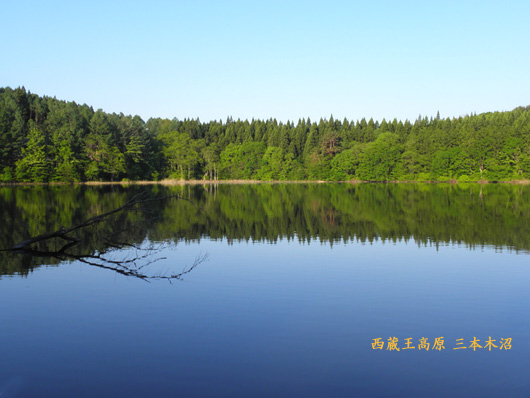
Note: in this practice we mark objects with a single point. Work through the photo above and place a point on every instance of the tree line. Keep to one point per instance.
(43, 139)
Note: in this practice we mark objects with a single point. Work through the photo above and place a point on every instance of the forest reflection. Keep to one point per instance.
(471, 214)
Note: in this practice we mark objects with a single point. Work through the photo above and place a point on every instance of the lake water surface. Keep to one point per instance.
(282, 291)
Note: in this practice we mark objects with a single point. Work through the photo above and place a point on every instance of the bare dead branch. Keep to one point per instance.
(128, 266)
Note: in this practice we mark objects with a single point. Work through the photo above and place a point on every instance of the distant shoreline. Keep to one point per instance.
(239, 182)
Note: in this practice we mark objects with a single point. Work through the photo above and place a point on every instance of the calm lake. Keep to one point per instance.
(280, 290)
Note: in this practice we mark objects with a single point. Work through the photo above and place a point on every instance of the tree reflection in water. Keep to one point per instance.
(474, 215)
(112, 251)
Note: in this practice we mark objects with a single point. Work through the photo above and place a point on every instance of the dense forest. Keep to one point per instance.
(43, 139)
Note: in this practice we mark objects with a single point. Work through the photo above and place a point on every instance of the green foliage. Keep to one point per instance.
(7, 175)
(104, 162)
(181, 154)
(65, 164)
(275, 165)
(423, 177)
(464, 178)
(211, 157)
(451, 162)
(77, 143)
(241, 161)
(34, 164)
(380, 160)
(344, 165)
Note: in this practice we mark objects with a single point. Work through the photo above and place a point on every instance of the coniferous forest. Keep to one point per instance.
(43, 139)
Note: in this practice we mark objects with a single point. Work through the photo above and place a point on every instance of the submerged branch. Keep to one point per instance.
(131, 265)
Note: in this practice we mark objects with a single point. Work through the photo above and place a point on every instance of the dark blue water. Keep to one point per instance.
(283, 319)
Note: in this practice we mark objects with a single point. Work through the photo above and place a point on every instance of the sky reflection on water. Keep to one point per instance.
(261, 319)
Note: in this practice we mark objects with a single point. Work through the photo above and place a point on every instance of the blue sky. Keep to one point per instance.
(282, 59)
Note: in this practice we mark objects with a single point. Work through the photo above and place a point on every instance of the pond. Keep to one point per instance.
(267, 290)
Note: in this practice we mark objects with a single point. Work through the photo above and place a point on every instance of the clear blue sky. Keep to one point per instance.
(261, 59)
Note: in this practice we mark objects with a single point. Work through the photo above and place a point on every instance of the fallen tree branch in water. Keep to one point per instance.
(131, 258)
(63, 232)
(126, 270)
